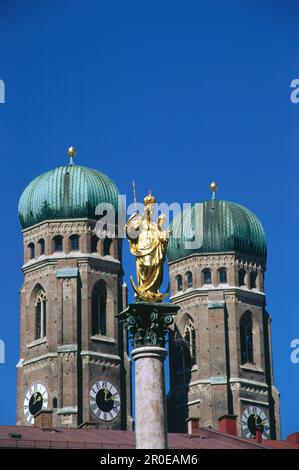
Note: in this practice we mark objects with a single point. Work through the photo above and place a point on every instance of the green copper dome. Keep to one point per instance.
(70, 191)
(224, 226)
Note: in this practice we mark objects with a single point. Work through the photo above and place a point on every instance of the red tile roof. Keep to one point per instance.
(92, 438)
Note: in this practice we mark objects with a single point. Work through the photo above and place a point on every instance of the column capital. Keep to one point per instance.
(148, 322)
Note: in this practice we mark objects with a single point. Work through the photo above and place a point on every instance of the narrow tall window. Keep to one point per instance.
(179, 282)
(75, 242)
(107, 245)
(31, 248)
(242, 275)
(207, 276)
(246, 338)
(252, 280)
(222, 276)
(190, 343)
(94, 244)
(98, 309)
(189, 279)
(41, 245)
(57, 243)
(40, 315)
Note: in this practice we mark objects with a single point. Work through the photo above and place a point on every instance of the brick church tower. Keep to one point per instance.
(73, 354)
(220, 346)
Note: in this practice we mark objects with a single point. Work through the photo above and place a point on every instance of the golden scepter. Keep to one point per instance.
(134, 192)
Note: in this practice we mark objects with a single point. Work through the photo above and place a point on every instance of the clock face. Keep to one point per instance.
(104, 400)
(36, 398)
(253, 417)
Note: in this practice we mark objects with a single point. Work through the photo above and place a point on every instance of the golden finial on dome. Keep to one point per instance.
(213, 188)
(149, 199)
(71, 151)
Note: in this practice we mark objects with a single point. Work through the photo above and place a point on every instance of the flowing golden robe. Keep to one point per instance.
(149, 247)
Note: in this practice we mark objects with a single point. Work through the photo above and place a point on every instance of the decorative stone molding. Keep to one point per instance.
(213, 261)
(70, 227)
(101, 362)
(249, 386)
(203, 261)
(57, 228)
(103, 268)
(33, 366)
(67, 356)
(87, 355)
(230, 298)
(250, 264)
(235, 387)
(194, 300)
(254, 389)
(203, 385)
(40, 272)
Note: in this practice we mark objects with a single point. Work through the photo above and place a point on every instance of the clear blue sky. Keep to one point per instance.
(174, 93)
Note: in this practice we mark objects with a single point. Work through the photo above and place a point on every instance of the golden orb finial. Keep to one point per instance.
(71, 151)
(213, 188)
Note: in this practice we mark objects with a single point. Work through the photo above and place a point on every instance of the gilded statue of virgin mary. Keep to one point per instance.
(148, 242)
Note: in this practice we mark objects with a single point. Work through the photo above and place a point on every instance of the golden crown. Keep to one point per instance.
(149, 199)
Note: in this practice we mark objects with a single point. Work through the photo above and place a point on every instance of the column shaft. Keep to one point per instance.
(150, 402)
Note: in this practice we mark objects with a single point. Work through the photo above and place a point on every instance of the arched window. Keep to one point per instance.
(222, 273)
(40, 315)
(98, 309)
(54, 403)
(207, 276)
(31, 248)
(179, 282)
(252, 279)
(57, 243)
(190, 342)
(242, 274)
(246, 338)
(75, 242)
(94, 244)
(189, 279)
(107, 245)
(41, 245)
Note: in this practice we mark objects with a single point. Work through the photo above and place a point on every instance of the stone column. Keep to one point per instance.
(150, 400)
(147, 325)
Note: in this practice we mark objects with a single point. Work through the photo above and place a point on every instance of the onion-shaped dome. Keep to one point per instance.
(222, 226)
(67, 192)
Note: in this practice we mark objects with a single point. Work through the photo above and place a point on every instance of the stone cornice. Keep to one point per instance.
(49, 264)
(231, 294)
(95, 354)
(240, 382)
(217, 260)
(54, 222)
(39, 358)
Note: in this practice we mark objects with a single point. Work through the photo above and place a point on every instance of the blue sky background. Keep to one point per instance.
(174, 94)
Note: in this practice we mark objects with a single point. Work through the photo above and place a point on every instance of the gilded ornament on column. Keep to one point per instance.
(148, 243)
